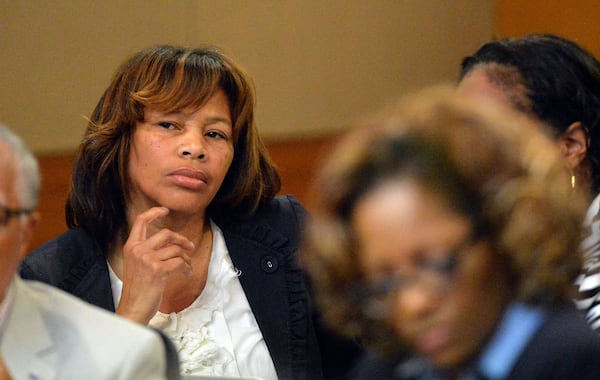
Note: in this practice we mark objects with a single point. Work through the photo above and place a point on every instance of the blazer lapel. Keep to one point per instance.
(264, 286)
(27, 346)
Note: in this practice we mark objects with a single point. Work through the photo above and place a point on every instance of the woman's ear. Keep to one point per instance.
(573, 144)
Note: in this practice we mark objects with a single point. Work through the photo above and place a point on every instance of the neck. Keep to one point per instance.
(192, 227)
(185, 223)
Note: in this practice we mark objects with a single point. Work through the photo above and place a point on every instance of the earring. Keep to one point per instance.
(572, 180)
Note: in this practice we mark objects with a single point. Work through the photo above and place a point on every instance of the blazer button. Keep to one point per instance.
(269, 264)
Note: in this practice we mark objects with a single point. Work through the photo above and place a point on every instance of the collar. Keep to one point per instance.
(593, 211)
(518, 325)
(6, 305)
(590, 228)
(27, 345)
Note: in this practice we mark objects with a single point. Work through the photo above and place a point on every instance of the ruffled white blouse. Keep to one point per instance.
(217, 334)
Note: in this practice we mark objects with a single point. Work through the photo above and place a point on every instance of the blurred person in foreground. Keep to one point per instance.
(557, 82)
(44, 332)
(175, 222)
(443, 235)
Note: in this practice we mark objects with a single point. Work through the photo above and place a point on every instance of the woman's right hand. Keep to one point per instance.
(150, 256)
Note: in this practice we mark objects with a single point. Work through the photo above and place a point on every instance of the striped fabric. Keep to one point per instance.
(588, 282)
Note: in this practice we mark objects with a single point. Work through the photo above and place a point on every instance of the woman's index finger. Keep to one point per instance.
(140, 225)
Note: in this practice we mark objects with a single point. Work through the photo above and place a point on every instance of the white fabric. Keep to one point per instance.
(51, 335)
(217, 334)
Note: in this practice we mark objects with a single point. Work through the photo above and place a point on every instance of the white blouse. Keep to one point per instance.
(217, 334)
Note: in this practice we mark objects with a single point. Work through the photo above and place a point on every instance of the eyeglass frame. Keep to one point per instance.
(7, 213)
(374, 297)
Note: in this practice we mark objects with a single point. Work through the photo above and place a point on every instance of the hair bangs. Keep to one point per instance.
(183, 81)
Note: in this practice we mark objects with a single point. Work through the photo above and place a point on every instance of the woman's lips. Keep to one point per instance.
(433, 340)
(189, 179)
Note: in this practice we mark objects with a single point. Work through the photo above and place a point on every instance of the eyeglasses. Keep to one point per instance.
(376, 297)
(6, 214)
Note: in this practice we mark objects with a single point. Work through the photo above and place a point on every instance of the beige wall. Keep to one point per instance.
(317, 64)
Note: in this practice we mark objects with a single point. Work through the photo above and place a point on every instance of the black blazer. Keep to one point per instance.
(263, 247)
(565, 347)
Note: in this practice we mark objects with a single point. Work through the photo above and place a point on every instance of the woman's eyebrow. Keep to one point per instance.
(218, 119)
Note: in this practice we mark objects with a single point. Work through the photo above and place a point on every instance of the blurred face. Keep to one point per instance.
(179, 160)
(448, 291)
(15, 235)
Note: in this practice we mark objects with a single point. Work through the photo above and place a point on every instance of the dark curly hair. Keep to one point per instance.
(501, 172)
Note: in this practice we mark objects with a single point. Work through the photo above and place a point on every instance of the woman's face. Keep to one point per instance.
(179, 160)
(445, 309)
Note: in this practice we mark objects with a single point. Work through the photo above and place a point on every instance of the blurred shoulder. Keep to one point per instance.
(88, 334)
(80, 314)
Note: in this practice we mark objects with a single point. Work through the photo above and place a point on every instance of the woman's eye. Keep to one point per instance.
(167, 125)
(216, 135)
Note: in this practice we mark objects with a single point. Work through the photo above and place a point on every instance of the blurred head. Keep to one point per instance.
(19, 192)
(549, 78)
(167, 79)
(430, 217)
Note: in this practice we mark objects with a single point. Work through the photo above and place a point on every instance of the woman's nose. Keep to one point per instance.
(416, 301)
(192, 146)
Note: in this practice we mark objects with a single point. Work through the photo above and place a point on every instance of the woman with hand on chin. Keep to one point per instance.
(174, 221)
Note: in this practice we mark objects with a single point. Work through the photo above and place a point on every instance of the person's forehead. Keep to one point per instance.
(478, 85)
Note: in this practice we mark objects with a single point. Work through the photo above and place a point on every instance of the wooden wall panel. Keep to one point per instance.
(296, 160)
(575, 19)
(56, 173)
